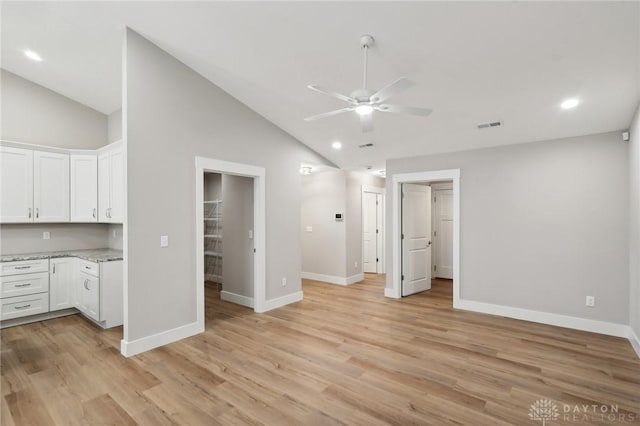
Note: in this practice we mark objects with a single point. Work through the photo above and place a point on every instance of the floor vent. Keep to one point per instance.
(366, 145)
(490, 124)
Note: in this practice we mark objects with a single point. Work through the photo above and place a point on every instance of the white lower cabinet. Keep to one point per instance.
(24, 288)
(99, 292)
(89, 295)
(62, 281)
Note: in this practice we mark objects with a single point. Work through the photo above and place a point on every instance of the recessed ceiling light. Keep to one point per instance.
(569, 103)
(364, 109)
(336, 145)
(305, 170)
(32, 55)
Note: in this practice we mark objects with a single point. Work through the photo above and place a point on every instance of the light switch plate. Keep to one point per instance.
(46, 235)
(251, 234)
(308, 228)
(164, 241)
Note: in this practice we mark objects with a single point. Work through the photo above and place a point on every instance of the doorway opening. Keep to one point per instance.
(230, 213)
(413, 256)
(373, 243)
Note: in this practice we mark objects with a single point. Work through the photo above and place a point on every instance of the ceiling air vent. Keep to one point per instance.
(366, 145)
(489, 124)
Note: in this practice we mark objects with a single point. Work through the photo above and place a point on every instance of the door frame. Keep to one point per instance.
(382, 244)
(396, 217)
(210, 165)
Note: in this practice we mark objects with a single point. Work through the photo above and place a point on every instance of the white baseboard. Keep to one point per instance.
(281, 301)
(144, 344)
(634, 340)
(390, 292)
(333, 279)
(594, 326)
(237, 298)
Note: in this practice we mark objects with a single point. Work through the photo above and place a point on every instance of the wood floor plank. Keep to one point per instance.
(342, 356)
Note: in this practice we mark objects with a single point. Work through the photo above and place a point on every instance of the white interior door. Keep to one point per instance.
(369, 236)
(443, 233)
(416, 235)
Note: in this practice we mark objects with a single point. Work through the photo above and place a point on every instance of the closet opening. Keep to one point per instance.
(230, 236)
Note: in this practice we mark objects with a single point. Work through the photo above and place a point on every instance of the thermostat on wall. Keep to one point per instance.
(338, 217)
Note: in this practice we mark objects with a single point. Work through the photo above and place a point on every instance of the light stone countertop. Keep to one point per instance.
(92, 255)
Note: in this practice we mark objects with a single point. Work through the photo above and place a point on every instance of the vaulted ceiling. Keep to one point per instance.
(472, 62)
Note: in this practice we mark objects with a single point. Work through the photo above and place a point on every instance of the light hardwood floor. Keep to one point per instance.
(344, 355)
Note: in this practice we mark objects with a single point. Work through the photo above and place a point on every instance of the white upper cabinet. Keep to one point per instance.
(50, 187)
(16, 183)
(111, 185)
(84, 188)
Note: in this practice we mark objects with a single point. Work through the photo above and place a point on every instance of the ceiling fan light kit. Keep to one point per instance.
(365, 101)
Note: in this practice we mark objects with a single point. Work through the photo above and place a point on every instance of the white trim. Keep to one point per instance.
(333, 279)
(258, 174)
(392, 293)
(559, 320)
(239, 299)
(434, 176)
(159, 339)
(281, 301)
(634, 340)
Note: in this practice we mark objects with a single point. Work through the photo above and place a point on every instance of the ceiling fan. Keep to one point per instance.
(364, 101)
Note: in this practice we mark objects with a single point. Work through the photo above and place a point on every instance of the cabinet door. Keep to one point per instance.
(50, 187)
(16, 184)
(89, 296)
(116, 168)
(62, 273)
(104, 185)
(84, 188)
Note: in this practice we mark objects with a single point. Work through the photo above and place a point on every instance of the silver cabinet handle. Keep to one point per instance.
(37, 212)
(29, 212)
(54, 268)
(109, 212)
(22, 307)
(94, 213)
(23, 267)
(23, 285)
(86, 284)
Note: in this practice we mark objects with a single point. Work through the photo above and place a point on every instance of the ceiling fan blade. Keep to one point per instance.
(367, 122)
(392, 89)
(329, 92)
(400, 109)
(328, 114)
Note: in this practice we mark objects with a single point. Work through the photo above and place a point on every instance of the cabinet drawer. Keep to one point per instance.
(20, 285)
(22, 306)
(90, 268)
(24, 267)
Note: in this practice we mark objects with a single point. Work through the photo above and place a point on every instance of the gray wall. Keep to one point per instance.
(634, 224)
(324, 249)
(114, 126)
(332, 248)
(543, 224)
(173, 114)
(237, 248)
(25, 238)
(212, 186)
(34, 114)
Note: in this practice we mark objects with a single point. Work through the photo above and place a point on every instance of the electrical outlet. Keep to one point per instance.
(284, 281)
(355, 264)
(46, 235)
(164, 241)
(114, 234)
(590, 302)
(308, 228)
